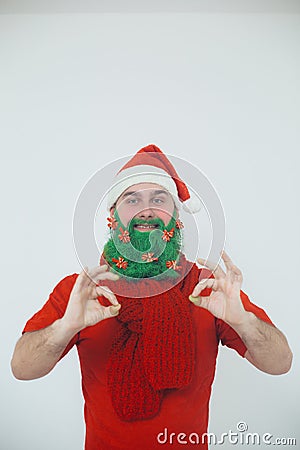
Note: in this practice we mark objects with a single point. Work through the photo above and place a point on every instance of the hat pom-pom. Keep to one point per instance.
(192, 205)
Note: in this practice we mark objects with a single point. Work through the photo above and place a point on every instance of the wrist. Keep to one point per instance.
(63, 331)
(246, 321)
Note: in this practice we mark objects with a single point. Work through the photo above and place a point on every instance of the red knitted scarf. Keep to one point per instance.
(154, 350)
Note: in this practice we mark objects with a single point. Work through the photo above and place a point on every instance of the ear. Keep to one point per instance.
(112, 211)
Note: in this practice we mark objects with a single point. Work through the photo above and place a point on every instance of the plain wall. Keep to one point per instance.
(80, 90)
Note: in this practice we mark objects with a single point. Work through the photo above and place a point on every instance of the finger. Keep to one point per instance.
(97, 270)
(94, 272)
(107, 276)
(236, 277)
(111, 311)
(236, 274)
(107, 293)
(206, 282)
(216, 269)
(82, 279)
(227, 261)
(200, 301)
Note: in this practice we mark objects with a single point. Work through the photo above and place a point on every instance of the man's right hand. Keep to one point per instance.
(84, 309)
(37, 352)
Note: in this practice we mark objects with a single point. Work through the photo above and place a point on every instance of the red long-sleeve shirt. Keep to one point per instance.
(182, 411)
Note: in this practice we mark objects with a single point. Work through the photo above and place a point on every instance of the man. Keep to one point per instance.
(147, 330)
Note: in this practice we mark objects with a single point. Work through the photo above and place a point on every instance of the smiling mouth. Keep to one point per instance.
(145, 227)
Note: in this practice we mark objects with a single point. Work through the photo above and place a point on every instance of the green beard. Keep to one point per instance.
(143, 242)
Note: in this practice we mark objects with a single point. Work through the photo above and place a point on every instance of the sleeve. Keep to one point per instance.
(54, 309)
(229, 337)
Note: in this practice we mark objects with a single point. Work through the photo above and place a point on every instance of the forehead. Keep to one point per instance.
(145, 188)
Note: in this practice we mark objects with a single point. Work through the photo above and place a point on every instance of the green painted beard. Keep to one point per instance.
(142, 243)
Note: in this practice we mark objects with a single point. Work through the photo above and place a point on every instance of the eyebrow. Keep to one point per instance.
(137, 193)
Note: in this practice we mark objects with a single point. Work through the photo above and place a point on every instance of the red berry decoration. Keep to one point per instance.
(120, 262)
(148, 257)
(124, 236)
(112, 223)
(172, 265)
(167, 235)
(179, 224)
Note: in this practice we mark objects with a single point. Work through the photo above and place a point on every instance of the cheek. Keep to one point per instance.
(165, 216)
(125, 215)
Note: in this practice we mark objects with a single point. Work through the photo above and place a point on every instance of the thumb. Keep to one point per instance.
(196, 300)
(114, 309)
(200, 301)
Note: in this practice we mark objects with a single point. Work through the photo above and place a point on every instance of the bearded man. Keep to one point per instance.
(147, 322)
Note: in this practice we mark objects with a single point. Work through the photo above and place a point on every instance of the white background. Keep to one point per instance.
(217, 87)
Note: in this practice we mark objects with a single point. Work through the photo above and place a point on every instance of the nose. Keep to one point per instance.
(145, 214)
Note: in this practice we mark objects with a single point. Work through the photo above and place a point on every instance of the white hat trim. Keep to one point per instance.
(146, 174)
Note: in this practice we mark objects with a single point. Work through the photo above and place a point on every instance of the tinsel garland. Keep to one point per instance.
(129, 240)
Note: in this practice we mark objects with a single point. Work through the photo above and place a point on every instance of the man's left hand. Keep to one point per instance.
(224, 302)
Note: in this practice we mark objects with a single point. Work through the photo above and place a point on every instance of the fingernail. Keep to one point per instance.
(118, 306)
(114, 309)
(193, 299)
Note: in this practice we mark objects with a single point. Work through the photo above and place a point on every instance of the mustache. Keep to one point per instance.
(143, 221)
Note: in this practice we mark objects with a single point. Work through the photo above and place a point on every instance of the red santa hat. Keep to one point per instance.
(151, 165)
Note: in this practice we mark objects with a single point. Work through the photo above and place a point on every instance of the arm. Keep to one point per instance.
(36, 353)
(267, 347)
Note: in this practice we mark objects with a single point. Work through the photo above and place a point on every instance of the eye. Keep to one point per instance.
(132, 200)
(158, 200)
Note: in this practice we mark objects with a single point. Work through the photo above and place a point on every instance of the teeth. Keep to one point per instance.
(145, 226)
